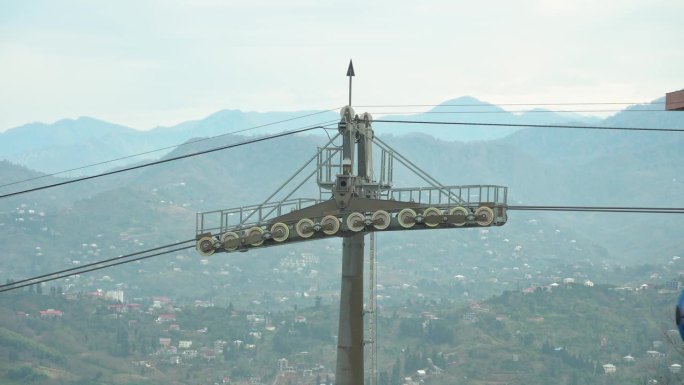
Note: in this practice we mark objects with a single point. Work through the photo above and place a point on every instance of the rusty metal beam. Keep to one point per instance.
(674, 101)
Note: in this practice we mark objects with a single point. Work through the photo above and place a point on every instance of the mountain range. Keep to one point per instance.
(541, 166)
(71, 143)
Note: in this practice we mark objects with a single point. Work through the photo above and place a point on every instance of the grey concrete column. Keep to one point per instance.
(349, 369)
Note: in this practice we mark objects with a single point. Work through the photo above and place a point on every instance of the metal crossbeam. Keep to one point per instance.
(349, 206)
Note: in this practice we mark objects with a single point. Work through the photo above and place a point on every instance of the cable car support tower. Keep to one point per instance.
(352, 202)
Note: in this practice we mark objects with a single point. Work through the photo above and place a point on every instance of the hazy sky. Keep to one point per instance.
(145, 63)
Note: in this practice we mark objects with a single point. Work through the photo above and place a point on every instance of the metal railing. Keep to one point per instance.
(472, 195)
(219, 221)
(328, 165)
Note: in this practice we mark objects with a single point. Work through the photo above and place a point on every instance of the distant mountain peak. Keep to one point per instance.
(466, 103)
(464, 100)
(225, 112)
(538, 109)
(89, 119)
(80, 121)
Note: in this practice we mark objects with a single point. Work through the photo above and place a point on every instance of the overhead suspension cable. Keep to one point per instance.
(509, 104)
(123, 259)
(161, 161)
(95, 266)
(98, 263)
(367, 106)
(610, 128)
(508, 112)
(166, 148)
(602, 209)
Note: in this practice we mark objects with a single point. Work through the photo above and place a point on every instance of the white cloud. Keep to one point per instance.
(141, 63)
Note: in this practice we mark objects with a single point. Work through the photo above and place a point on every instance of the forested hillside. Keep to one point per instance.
(562, 334)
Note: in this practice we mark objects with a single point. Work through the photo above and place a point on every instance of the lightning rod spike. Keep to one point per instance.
(350, 74)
